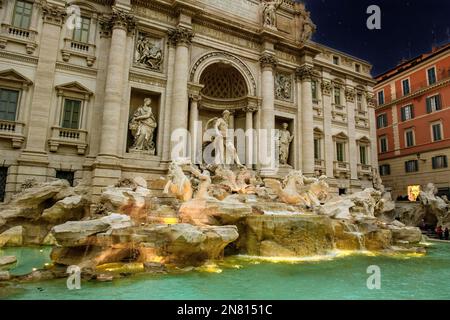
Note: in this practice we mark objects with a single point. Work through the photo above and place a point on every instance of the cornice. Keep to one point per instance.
(74, 68)
(19, 57)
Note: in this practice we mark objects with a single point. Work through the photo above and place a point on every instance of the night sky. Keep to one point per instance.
(408, 28)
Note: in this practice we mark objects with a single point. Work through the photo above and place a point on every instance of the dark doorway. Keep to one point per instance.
(3, 175)
(342, 191)
(66, 175)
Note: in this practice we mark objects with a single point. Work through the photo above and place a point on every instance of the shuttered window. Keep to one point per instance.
(8, 104)
(317, 149)
(407, 112)
(71, 116)
(82, 34)
(409, 136)
(434, 103)
(383, 144)
(431, 76)
(363, 154)
(340, 152)
(405, 86)
(22, 14)
(437, 132)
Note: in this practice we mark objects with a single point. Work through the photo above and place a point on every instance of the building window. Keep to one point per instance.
(405, 87)
(65, 175)
(359, 102)
(385, 170)
(412, 166)
(439, 162)
(340, 151)
(363, 154)
(317, 147)
(383, 144)
(82, 34)
(381, 97)
(382, 121)
(8, 104)
(336, 60)
(436, 128)
(342, 191)
(409, 137)
(71, 115)
(337, 96)
(434, 103)
(407, 112)
(22, 14)
(314, 90)
(431, 76)
(3, 176)
(357, 67)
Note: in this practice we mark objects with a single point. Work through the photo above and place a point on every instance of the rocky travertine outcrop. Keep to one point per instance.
(29, 216)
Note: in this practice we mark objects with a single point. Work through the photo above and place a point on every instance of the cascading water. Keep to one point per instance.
(354, 230)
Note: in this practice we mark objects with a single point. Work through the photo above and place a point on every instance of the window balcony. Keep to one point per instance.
(13, 131)
(319, 164)
(364, 170)
(79, 49)
(318, 111)
(341, 169)
(23, 36)
(68, 137)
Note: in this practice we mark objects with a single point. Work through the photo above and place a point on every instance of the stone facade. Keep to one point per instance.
(72, 93)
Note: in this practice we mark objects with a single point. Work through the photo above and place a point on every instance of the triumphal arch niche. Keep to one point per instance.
(227, 85)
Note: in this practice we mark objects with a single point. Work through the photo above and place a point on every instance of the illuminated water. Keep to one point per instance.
(345, 277)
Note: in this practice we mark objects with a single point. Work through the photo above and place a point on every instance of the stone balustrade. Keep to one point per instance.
(13, 131)
(18, 35)
(80, 49)
(68, 137)
(341, 168)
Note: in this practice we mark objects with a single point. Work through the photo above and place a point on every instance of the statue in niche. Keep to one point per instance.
(283, 87)
(223, 145)
(148, 53)
(142, 126)
(270, 12)
(285, 139)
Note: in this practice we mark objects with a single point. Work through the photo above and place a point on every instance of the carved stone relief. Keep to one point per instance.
(148, 52)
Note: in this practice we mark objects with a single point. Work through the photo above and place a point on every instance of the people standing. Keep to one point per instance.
(446, 233)
(439, 232)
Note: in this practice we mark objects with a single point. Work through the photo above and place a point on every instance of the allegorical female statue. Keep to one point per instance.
(285, 139)
(270, 12)
(142, 126)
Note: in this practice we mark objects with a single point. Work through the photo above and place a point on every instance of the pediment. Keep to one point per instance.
(74, 87)
(12, 75)
(341, 135)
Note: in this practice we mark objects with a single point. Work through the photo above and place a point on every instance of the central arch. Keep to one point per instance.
(224, 58)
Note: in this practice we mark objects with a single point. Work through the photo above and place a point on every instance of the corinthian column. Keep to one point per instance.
(181, 38)
(121, 24)
(266, 148)
(304, 74)
(249, 135)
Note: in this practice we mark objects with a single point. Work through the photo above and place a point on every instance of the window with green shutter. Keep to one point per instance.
(407, 112)
(437, 132)
(431, 76)
(340, 152)
(8, 104)
(82, 34)
(405, 85)
(362, 154)
(314, 90)
(71, 115)
(434, 103)
(22, 14)
(409, 138)
(337, 96)
(317, 149)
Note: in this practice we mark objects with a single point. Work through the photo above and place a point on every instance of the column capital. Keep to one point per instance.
(250, 108)
(350, 94)
(119, 19)
(195, 96)
(268, 60)
(180, 36)
(304, 72)
(326, 87)
(53, 14)
(370, 98)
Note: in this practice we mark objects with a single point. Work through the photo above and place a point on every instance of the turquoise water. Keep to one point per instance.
(402, 277)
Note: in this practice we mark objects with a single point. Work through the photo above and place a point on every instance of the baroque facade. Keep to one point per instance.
(413, 120)
(92, 90)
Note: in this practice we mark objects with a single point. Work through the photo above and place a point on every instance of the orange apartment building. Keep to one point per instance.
(413, 123)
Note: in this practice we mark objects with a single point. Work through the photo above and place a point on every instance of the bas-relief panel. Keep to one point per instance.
(216, 34)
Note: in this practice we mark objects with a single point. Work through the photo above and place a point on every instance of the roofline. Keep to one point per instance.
(341, 52)
(431, 55)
